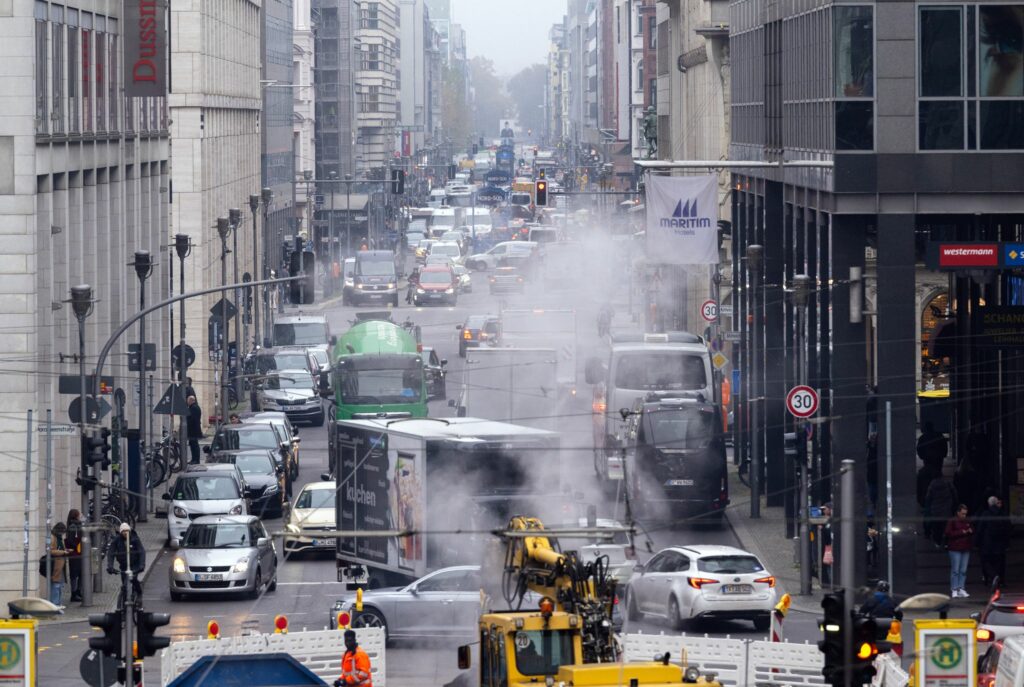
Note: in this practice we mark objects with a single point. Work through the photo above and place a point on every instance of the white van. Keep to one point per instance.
(444, 219)
(437, 197)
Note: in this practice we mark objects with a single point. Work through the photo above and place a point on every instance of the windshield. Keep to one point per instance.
(440, 249)
(219, 536)
(645, 370)
(291, 380)
(382, 386)
(205, 488)
(300, 334)
(541, 652)
(254, 464)
(315, 498)
(443, 221)
(435, 278)
(1003, 615)
(233, 438)
(729, 565)
(320, 355)
(680, 429)
(375, 268)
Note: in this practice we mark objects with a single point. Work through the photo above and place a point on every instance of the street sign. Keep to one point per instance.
(224, 303)
(733, 337)
(719, 360)
(133, 357)
(163, 406)
(190, 356)
(945, 653)
(75, 411)
(725, 310)
(58, 429)
(18, 652)
(736, 377)
(490, 195)
(709, 310)
(802, 401)
(68, 384)
(97, 669)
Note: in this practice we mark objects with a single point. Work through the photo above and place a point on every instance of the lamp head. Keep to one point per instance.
(182, 245)
(755, 257)
(254, 202)
(143, 264)
(223, 227)
(235, 216)
(307, 174)
(267, 195)
(81, 300)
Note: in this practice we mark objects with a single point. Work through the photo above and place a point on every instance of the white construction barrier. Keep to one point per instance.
(890, 672)
(320, 651)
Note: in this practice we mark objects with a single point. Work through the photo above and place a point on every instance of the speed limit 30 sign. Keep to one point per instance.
(709, 310)
(802, 401)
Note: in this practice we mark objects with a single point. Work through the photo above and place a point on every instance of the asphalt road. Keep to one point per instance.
(307, 586)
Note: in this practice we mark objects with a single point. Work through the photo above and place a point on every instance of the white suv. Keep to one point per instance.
(687, 583)
(505, 249)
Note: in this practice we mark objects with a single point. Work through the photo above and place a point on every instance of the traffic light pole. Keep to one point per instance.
(97, 579)
(847, 551)
(129, 613)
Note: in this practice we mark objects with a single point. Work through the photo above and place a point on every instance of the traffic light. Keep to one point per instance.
(397, 181)
(864, 648)
(542, 193)
(98, 446)
(834, 643)
(542, 174)
(302, 291)
(149, 642)
(110, 643)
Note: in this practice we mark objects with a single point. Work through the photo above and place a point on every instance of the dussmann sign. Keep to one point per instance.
(145, 48)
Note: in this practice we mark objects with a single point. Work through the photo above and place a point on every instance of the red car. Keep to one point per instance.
(436, 286)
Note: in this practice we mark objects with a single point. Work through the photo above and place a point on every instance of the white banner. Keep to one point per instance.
(682, 220)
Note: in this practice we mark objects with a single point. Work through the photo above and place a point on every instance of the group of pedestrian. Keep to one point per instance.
(990, 533)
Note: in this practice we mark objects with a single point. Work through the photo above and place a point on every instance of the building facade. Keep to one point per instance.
(303, 113)
(377, 85)
(335, 58)
(277, 140)
(84, 179)
(420, 84)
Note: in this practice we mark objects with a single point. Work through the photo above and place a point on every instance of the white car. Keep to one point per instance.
(465, 280)
(489, 260)
(312, 511)
(689, 583)
(447, 248)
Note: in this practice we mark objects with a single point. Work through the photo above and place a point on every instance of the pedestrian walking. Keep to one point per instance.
(194, 425)
(129, 553)
(355, 664)
(959, 536)
(58, 554)
(827, 557)
(992, 534)
(939, 505)
(73, 543)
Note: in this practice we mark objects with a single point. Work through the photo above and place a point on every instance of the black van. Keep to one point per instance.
(375, 279)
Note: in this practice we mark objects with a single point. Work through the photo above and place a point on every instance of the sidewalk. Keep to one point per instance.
(766, 538)
(153, 535)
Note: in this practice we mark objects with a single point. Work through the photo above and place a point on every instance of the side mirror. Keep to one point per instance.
(465, 657)
(458, 326)
(262, 541)
(207, 449)
(175, 543)
(333, 340)
(325, 476)
(975, 616)
(444, 361)
(166, 496)
(639, 568)
(414, 590)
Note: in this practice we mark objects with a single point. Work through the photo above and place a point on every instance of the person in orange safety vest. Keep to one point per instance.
(355, 664)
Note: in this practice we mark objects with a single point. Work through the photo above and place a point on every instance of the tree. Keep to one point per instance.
(527, 91)
(491, 100)
(455, 112)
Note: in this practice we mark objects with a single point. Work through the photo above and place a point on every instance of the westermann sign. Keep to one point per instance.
(682, 220)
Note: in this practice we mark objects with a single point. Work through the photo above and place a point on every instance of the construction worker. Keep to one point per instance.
(355, 664)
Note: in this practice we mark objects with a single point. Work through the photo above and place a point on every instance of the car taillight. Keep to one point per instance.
(983, 635)
(698, 582)
(599, 406)
(467, 335)
(770, 580)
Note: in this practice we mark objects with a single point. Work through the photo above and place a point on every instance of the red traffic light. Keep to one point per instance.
(281, 624)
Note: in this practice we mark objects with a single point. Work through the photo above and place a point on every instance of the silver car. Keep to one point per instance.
(224, 554)
(445, 602)
(312, 512)
(294, 393)
(200, 493)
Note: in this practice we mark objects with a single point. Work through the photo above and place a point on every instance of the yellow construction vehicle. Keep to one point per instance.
(568, 638)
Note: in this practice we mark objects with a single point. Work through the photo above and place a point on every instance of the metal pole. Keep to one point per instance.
(83, 581)
(186, 248)
(254, 206)
(755, 255)
(332, 249)
(223, 229)
(142, 366)
(348, 215)
(129, 612)
(847, 551)
(28, 502)
(888, 494)
(235, 217)
(801, 289)
(97, 582)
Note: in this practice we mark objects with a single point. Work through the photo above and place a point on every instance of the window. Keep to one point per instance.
(112, 79)
(971, 77)
(652, 92)
(42, 112)
(86, 73)
(99, 76)
(640, 73)
(450, 581)
(74, 124)
(57, 80)
(853, 48)
(652, 32)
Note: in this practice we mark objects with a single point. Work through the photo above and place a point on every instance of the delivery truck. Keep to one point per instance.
(442, 481)
(516, 385)
(546, 328)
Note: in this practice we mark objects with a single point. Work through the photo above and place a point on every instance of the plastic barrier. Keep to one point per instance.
(319, 650)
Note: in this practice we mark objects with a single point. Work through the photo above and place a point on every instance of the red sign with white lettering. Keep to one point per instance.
(968, 255)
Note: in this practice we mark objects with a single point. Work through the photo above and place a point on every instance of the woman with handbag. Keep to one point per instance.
(73, 543)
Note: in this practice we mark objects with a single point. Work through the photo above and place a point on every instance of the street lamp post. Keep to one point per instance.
(254, 206)
(755, 259)
(183, 248)
(332, 250)
(800, 290)
(235, 220)
(348, 215)
(223, 229)
(81, 303)
(143, 265)
(267, 197)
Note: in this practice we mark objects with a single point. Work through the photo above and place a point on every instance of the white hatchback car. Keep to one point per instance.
(688, 583)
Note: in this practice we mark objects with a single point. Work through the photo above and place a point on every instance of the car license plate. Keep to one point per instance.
(679, 483)
(323, 542)
(209, 577)
(736, 589)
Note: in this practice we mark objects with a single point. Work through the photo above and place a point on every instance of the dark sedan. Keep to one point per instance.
(478, 330)
(264, 479)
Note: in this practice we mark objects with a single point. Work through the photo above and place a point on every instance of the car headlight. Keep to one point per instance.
(179, 512)
(241, 566)
(293, 528)
(272, 489)
(391, 285)
(179, 565)
(420, 291)
(237, 510)
(449, 290)
(359, 286)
